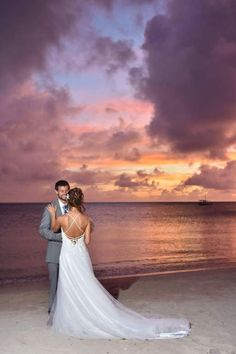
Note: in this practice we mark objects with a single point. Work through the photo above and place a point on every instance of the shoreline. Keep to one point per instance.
(207, 299)
(101, 274)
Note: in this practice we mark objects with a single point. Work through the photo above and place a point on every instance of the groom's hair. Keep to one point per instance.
(61, 183)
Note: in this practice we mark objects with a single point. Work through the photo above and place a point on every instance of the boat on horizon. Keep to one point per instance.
(204, 202)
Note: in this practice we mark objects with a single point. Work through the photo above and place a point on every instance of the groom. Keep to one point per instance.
(54, 238)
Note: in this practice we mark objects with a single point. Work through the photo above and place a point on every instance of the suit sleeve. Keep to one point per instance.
(45, 228)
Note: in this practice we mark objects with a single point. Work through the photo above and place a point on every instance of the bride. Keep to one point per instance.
(83, 308)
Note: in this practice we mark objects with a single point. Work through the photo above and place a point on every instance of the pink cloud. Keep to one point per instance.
(137, 182)
(32, 136)
(212, 177)
(89, 177)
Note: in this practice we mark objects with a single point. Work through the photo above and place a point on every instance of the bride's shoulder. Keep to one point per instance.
(87, 218)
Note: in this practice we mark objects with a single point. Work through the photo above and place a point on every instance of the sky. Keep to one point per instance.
(131, 100)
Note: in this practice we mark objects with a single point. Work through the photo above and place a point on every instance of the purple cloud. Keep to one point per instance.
(129, 155)
(143, 173)
(191, 63)
(215, 178)
(113, 55)
(121, 138)
(132, 155)
(28, 29)
(113, 143)
(32, 135)
(126, 181)
(135, 182)
(89, 177)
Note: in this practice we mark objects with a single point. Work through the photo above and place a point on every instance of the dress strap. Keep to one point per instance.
(74, 221)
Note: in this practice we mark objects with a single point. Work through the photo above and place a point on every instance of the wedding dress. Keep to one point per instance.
(84, 308)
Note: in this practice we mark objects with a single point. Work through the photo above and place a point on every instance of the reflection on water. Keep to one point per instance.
(129, 238)
(166, 236)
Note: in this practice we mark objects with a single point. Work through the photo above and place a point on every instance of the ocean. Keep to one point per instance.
(128, 239)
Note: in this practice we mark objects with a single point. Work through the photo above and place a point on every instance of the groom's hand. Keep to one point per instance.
(51, 208)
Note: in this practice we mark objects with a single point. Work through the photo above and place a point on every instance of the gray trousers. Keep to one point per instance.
(53, 270)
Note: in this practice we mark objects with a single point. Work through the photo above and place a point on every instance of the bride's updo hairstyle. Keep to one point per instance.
(75, 199)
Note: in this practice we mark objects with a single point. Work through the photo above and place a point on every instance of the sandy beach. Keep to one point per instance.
(207, 299)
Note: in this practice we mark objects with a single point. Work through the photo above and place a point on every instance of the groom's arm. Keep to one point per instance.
(45, 228)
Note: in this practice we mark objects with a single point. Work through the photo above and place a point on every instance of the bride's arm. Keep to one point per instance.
(55, 222)
(88, 230)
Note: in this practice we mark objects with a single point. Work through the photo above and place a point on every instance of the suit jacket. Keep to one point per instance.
(54, 238)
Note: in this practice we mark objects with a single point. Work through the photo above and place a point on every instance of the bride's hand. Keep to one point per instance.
(51, 208)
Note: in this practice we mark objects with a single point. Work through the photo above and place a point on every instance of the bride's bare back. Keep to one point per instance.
(74, 225)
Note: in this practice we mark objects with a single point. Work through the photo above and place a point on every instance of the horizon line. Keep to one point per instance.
(123, 202)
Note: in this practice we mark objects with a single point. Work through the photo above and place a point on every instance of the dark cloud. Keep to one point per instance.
(139, 81)
(191, 64)
(109, 4)
(28, 29)
(143, 173)
(215, 178)
(113, 143)
(136, 182)
(122, 138)
(130, 155)
(86, 141)
(32, 135)
(89, 177)
(174, 195)
(126, 181)
(108, 53)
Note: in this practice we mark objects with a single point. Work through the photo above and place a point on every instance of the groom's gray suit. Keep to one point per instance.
(53, 249)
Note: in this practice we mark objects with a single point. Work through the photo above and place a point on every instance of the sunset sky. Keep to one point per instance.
(132, 100)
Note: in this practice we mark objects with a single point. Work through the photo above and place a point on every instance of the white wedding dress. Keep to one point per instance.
(84, 308)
